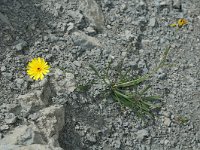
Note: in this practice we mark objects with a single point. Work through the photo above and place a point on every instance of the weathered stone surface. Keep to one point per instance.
(85, 41)
(5, 19)
(44, 131)
(141, 134)
(21, 45)
(167, 121)
(93, 13)
(76, 15)
(152, 22)
(63, 81)
(10, 118)
(4, 127)
(177, 4)
(23, 135)
(32, 102)
(28, 147)
(51, 122)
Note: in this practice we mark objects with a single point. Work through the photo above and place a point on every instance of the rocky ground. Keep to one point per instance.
(70, 35)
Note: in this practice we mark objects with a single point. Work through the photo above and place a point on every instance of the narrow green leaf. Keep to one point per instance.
(151, 98)
(133, 82)
(145, 89)
(95, 70)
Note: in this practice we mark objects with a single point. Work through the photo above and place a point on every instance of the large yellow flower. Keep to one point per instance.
(37, 68)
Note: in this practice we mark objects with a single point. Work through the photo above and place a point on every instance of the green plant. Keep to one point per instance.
(126, 92)
(183, 120)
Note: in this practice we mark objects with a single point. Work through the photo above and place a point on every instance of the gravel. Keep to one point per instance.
(72, 34)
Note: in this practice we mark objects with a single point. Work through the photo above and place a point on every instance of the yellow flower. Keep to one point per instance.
(37, 68)
(181, 22)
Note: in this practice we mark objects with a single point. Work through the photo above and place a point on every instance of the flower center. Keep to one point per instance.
(39, 69)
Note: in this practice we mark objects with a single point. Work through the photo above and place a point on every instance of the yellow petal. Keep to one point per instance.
(173, 25)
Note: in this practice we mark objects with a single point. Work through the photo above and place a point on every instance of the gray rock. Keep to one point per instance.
(10, 108)
(28, 147)
(53, 38)
(63, 82)
(32, 102)
(128, 35)
(107, 2)
(152, 22)
(19, 82)
(47, 93)
(93, 13)
(164, 3)
(141, 64)
(116, 144)
(7, 75)
(177, 4)
(123, 7)
(62, 26)
(90, 31)
(21, 45)
(141, 134)
(25, 137)
(58, 6)
(45, 131)
(10, 118)
(84, 41)
(166, 114)
(29, 103)
(70, 26)
(167, 121)
(5, 19)
(3, 68)
(76, 15)
(58, 74)
(34, 116)
(70, 82)
(161, 74)
(4, 127)
(51, 123)
(91, 138)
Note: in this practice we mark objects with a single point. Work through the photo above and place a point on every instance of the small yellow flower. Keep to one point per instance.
(37, 68)
(181, 22)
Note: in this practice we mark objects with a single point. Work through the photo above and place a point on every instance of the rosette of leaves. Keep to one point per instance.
(126, 92)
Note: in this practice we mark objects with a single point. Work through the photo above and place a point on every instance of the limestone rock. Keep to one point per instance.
(167, 121)
(32, 102)
(23, 135)
(93, 13)
(28, 147)
(10, 118)
(51, 122)
(177, 4)
(63, 81)
(141, 134)
(4, 19)
(21, 45)
(152, 22)
(84, 41)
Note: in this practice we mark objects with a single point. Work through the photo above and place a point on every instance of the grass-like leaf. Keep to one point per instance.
(122, 91)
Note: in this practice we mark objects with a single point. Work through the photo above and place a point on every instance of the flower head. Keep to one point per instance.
(181, 22)
(37, 68)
